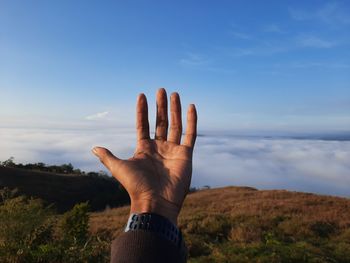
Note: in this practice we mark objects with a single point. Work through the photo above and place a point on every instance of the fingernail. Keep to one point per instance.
(94, 150)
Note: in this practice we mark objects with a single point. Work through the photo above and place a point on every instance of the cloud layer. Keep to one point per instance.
(304, 165)
(295, 164)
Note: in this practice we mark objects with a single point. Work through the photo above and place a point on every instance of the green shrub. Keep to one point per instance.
(25, 225)
(216, 227)
(342, 252)
(197, 246)
(30, 232)
(75, 224)
(323, 229)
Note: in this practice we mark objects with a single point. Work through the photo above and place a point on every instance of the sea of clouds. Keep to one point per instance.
(307, 164)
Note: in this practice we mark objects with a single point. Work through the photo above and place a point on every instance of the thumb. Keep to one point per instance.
(106, 157)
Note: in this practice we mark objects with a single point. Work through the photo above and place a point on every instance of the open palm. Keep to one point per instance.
(158, 176)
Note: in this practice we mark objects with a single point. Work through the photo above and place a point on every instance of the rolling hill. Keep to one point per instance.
(64, 191)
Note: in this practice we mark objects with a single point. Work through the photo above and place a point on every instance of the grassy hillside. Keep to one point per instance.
(64, 191)
(235, 224)
(232, 224)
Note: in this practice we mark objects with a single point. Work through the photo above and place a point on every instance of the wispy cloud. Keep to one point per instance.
(192, 59)
(333, 65)
(272, 28)
(261, 48)
(272, 47)
(330, 13)
(241, 52)
(201, 62)
(255, 33)
(97, 116)
(241, 35)
(310, 41)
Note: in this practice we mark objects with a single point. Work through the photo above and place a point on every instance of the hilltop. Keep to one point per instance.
(242, 224)
(64, 190)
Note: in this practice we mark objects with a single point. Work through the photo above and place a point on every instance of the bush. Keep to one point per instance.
(75, 224)
(25, 226)
(323, 229)
(30, 232)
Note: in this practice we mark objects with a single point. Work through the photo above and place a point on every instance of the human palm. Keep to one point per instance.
(158, 176)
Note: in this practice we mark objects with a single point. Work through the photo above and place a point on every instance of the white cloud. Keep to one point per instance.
(55, 146)
(272, 28)
(97, 116)
(240, 35)
(316, 64)
(330, 13)
(199, 62)
(315, 42)
(302, 165)
(193, 59)
(241, 52)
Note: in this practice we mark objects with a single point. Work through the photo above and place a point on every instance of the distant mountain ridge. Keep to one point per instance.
(326, 136)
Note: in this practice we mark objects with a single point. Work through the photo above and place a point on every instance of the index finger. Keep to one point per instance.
(191, 127)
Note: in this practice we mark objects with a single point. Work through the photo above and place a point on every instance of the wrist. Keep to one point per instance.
(152, 205)
(161, 226)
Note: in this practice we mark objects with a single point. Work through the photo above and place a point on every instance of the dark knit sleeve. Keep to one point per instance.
(143, 247)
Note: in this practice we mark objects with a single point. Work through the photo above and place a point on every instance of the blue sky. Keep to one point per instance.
(70, 72)
(248, 65)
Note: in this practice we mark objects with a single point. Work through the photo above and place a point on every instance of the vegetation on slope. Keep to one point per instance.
(58, 169)
(30, 232)
(65, 188)
(236, 224)
(232, 224)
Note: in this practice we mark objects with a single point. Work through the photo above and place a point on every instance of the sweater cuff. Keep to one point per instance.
(145, 246)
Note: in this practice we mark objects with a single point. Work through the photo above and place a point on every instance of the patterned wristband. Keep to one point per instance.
(160, 225)
(155, 223)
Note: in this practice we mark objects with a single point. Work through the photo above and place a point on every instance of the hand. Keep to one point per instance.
(158, 176)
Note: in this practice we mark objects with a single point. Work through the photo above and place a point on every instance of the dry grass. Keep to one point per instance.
(238, 201)
(220, 223)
